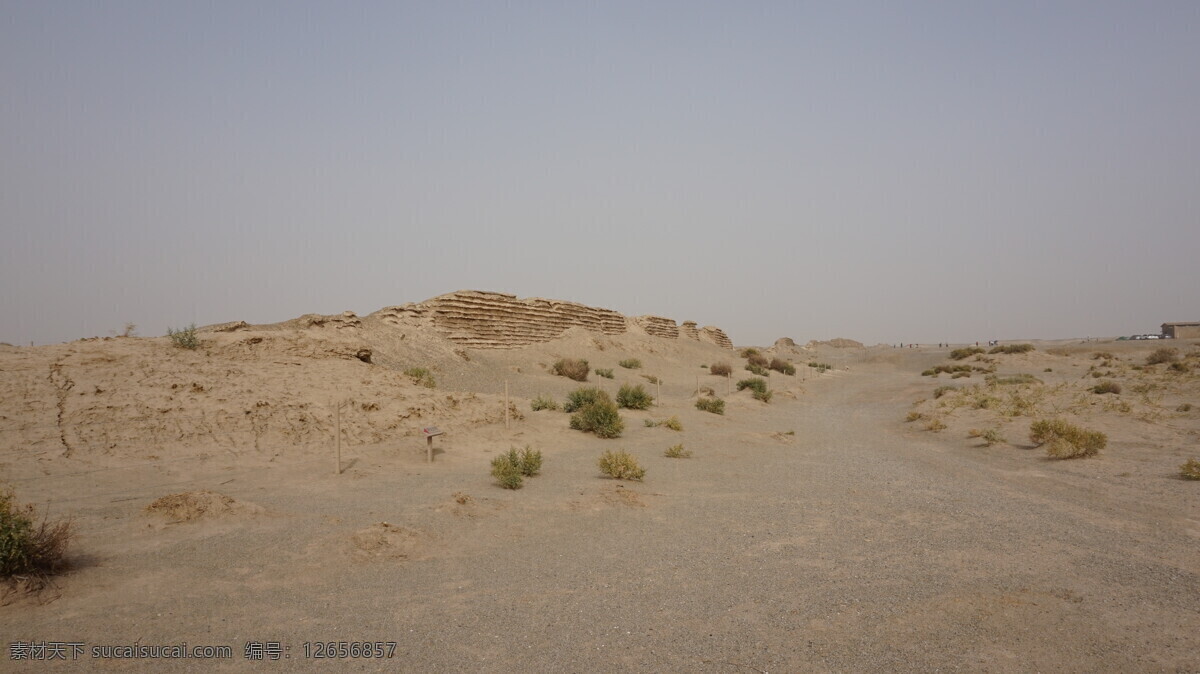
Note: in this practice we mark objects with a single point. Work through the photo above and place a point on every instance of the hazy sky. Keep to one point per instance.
(885, 171)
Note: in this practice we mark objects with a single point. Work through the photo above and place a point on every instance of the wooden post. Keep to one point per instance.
(429, 448)
(658, 386)
(505, 404)
(338, 432)
(697, 386)
(728, 378)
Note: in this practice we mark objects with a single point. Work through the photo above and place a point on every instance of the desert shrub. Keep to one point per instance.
(650, 423)
(607, 373)
(714, 405)
(1180, 367)
(634, 397)
(708, 391)
(959, 354)
(1107, 386)
(747, 352)
(914, 416)
(1186, 407)
(950, 369)
(677, 452)
(1049, 369)
(507, 474)
(721, 369)
(1190, 469)
(530, 461)
(673, 424)
(29, 549)
(1102, 355)
(757, 369)
(782, 366)
(929, 373)
(510, 467)
(755, 383)
(1096, 374)
(599, 416)
(621, 466)
(630, 363)
(184, 338)
(764, 396)
(571, 368)
(758, 359)
(1165, 354)
(650, 378)
(960, 375)
(1012, 348)
(935, 425)
(581, 397)
(543, 402)
(990, 436)
(1066, 441)
(422, 376)
(1013, 380)
(943, 390)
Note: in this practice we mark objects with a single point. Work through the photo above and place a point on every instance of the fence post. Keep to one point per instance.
(338, 432)
(505, 404)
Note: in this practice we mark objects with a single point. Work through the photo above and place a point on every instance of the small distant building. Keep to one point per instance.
(1181, 330)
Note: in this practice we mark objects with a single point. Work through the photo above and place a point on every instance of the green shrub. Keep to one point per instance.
(599, 417)
(959, 354)
(748, 351)
(1012, 348)
(571, 368)
(607, 373)
(677, 452)
(650, 423)
(621, 466)
(507, 474)
(543, 402)
(30, 550)
(634, 397)
(650, 378)
(721, 369)
(1066, 441)
(673, 424)
(1165, 354)
(630, 364)
(782, 366)
(714, 405)
(1107, 386)
(765, 396)
(422, 376)
(582, 397)
(1190, 469)
(755, 383)
(184, 338)
(757, 369)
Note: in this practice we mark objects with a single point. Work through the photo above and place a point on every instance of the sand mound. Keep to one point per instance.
(384, 541)
(194, 505)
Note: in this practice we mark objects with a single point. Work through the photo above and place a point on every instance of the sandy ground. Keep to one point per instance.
(861, 542)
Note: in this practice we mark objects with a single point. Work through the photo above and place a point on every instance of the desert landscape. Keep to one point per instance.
(833, 507)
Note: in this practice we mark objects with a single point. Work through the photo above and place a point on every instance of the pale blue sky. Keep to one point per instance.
(882, 171)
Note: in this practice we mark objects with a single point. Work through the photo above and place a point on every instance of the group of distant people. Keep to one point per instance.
(941, 345)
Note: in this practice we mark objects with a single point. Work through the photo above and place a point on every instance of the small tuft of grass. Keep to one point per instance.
(914, 416)
(990, 436)
(677, 452)
(714, 405)
(184, 338)
(543, 402)
(630, 364)
(421, 376)
(1064, 440)
(1106, 386)
(935, 425)
(1190, 470)
(650, 378)
(607, 373)
(721, 369)
(1102, 355)
(571, 368)
(621, 465)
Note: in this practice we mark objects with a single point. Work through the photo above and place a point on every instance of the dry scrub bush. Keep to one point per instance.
(782, 366)
(677, 452)
(1102, 355)
(1190, 469)
(30, 551)
(914, 416)
(184, 338)
(990, 436)
(621, 466)
(672, 423)
(594, 412)
(1012, 380)
(943, 390)
(935, 425)
(650, 378)
(630, 363)
(758, 360)
(721, 369)
(1165, 354)
(748, 351)
(757, 369)
(756, 384)
(634, 397)
(571, 368)
(543, 402)
(959, 354)
(1066, 441)
(421, 376)
(1180, 367)
(1107, 386)
(714, 405)
(1012, 348)
(1186, 407)
(607, 373)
